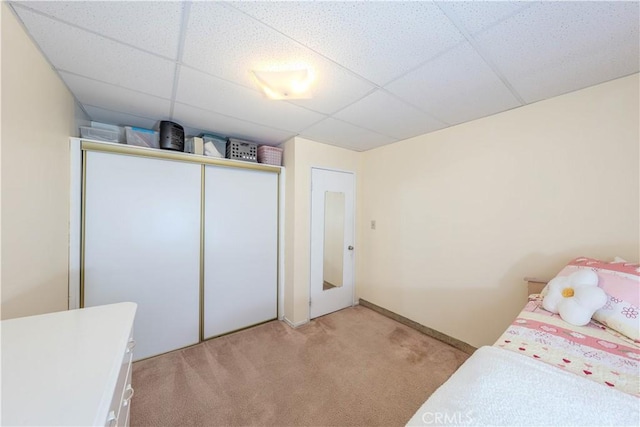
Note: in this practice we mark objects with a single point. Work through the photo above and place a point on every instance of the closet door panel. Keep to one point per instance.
(241, 246)
(142, 244)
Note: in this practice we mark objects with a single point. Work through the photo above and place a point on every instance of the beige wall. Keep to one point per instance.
(462, 214)
(465, 213)
(37, 120)
(288, 161)
(300, 155)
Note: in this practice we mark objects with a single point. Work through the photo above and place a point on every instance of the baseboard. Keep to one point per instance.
(294, 325)
(453, 342)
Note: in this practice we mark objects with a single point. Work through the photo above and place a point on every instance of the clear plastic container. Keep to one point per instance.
(217, 146)
(115, 128)
(97, 134)
(142, 137)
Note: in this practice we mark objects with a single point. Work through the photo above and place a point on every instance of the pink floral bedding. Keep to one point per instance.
(592, 351)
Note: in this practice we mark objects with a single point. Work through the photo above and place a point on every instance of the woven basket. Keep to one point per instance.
(270, 155)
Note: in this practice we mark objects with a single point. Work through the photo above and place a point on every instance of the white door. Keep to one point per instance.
(332, 241)
(142, 244)
(240, 249)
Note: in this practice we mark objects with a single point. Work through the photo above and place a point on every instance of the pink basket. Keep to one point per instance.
(270, 155)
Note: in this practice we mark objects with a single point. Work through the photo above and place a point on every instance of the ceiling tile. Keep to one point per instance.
(377, 40)
(225, 42)
(385, 114)
(104, 95)
(480, 15)
(385, 70)
(334, 88)
(152, 26)
(208, 121)
(343, 134)
(71, 49)
(210, 93)
(456, 87)
(118, 118)
(557, 47)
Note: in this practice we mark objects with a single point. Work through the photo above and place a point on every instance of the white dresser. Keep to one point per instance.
(69, 368)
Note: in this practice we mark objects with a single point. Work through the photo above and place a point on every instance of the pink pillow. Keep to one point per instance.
(621, 282)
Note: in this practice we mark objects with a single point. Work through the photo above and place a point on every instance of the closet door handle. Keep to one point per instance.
(350, 247)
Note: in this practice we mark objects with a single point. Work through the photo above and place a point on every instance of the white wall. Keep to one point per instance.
(37, 120)
(465, 213)
(300, 155)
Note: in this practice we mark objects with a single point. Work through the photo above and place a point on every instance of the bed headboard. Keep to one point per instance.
(535, 286)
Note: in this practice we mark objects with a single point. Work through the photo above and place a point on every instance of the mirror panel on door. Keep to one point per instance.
(333, 240)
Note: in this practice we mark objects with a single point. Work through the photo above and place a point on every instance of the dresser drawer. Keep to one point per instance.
(123, 390)
(123, 413)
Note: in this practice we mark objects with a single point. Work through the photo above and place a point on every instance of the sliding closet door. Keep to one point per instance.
(142, 244)
(241, 246)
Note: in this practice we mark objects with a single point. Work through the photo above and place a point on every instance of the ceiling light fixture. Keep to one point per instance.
(286, 84)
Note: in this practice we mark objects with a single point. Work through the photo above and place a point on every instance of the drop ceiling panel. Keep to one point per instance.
(557, 47)
(80, 52)
(116, 98)
(208, 121)
(377, 40)
(385, 114)
(211, 93)
(456, 87)
(346, 135)
(118, 118)
(480, 15)
(385, 70)
(227, 43)
(333, 89)
(152, 26)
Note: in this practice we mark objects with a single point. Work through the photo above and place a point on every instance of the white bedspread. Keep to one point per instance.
(500, 387)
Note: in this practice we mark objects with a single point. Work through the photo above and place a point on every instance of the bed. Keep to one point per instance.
(545, 371)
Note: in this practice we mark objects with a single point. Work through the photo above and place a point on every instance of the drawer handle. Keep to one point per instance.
(130, 346)
(128, 394)
(112, 420)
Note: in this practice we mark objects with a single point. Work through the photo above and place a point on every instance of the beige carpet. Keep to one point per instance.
(354, 367)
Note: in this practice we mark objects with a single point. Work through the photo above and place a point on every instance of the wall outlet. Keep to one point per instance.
(373, 224)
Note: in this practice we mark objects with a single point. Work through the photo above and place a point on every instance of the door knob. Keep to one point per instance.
(350, 247)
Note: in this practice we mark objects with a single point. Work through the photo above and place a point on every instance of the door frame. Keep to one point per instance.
(75, 222)
(355, 233)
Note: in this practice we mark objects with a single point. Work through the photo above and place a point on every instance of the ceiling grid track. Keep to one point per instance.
(46, 57)
(385, 71)
(88, 30)
(454, 20)
(337, 64)
(183, 34)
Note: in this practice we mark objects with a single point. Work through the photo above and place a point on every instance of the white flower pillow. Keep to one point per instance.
(620, 280)
(575, 297)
